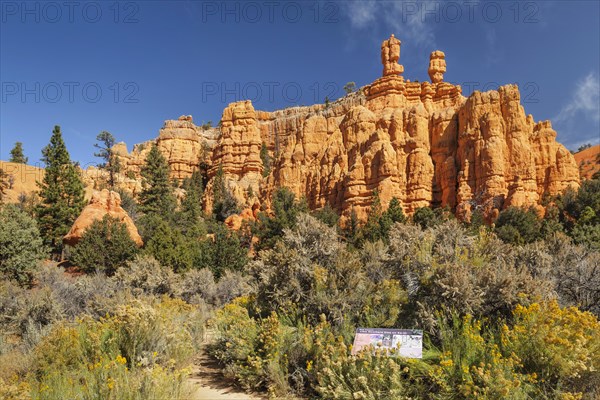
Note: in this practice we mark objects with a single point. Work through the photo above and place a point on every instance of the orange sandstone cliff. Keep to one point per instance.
(421, 142)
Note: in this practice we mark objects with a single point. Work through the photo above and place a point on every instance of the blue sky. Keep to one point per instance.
(125, 67)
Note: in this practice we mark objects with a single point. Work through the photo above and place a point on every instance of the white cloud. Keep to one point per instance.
(410, 21)
(361, 13)
(584, 102)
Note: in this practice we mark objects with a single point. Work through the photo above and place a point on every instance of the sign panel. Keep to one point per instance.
(401, 342)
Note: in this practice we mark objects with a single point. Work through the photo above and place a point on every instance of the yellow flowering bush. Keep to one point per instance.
(472, 364)
(141, 351)
(560, 345)
(14, 389)
(251, 349)
(541, 352)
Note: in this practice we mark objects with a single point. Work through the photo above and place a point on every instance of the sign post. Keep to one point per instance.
(401, 342)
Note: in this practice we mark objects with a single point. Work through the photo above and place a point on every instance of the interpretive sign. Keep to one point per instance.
(400, 342)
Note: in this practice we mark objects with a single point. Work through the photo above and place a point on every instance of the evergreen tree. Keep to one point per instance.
(266, 160)
(518, 226)
(372, 230)
(425, 217)
(352, 229)
(111, 162)
(16, 154)
(21, 247)
(157, 194)
(349, 87)
(191, 206)
(395, 212)
(169, 246)
(327, 215)
(285, 212)
(223, 252)
(380, 222)
(61, 193)
(104, 247)
(224, 204)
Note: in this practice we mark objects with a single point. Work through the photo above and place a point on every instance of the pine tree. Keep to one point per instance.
(224, 204)
(395, 212)
(327, 215)
(372, 231)
(111, 161)
(285, 214)
(352, 229)
(169, 246)
(191, 206)
(224, 252)
(157, 193)
(61, 193)
(266, 160)
(16, 154)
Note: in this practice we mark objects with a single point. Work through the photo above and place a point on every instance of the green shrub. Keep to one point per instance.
(310, 273)
(21, 246)
(425, 217)
(104, 247)
(168, 245)
(285, 211)
(518, 226)
(544, 352)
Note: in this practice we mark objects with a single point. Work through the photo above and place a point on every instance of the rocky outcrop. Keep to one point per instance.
(421, 142)
(102, 203)
(248, 215)
(437, 66)
(238, 151)
(184, 145)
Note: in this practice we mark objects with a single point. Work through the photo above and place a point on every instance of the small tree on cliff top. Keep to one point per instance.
(16, 154)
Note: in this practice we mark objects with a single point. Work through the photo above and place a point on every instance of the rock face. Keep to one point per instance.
(102, 203)
(421, 142)
(238, 151)
(183, 144)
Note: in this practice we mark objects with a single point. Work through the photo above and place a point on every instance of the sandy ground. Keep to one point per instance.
(208, 383)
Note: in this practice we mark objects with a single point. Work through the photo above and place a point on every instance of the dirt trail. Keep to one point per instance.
(208, 383)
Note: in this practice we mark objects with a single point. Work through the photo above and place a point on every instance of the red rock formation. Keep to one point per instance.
(422, 142)
(437, 66)
(390, 54)
(101, 204)
(238, 151)
(236, 221)
(182, 143)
